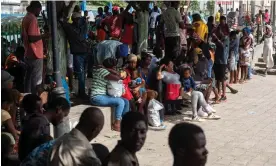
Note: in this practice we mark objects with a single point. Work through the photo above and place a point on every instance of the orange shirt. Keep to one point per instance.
(30, 27)
(212, 53)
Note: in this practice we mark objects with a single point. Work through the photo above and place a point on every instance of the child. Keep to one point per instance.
(136, 81)
(127, 94)
(245, 44)
(196, 97)
(232, 61)
(268, 48)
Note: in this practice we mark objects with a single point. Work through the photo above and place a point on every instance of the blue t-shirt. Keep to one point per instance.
(188, 83)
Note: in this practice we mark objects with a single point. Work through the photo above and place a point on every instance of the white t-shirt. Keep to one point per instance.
(170, 78)
(152, 18)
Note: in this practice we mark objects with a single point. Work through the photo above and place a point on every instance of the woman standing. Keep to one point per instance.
(268, 48)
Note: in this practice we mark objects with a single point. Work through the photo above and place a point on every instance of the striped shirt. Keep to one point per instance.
(99, 82)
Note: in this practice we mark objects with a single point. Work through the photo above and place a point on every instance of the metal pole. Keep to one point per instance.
(240, 13)
(55, 50)
(252, 10)
(58, 91)
(273, 13)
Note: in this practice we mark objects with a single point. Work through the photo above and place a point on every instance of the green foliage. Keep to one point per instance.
(194, 5)
(211, 7)
(105, 2)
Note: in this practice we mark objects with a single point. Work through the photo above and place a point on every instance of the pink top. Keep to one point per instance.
(115, 23)
(30, 28)
(267, 17)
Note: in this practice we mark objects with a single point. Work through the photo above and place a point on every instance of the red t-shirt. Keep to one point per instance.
(127, 95)
(115, 23)
(127, 37)
(30, 27)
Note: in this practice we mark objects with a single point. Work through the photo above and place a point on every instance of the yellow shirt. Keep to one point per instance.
(217, 16)
(201, 29)
(5, 115)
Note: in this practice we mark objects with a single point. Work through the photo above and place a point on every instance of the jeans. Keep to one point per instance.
(33, 75)
(210, 67)
(198, 99)
(79, 68)
(121, 105)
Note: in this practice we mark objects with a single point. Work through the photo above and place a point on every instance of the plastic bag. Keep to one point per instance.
(115, 88)
(153, 112)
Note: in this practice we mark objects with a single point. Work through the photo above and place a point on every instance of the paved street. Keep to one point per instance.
(246, 134)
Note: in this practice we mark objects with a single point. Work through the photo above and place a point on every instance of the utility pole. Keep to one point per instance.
(58, 91)
(241, 13)
(252, 10)
(273, 13)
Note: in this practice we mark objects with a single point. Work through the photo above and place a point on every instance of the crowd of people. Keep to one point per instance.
(190, 60)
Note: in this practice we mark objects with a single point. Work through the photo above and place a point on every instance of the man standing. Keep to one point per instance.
(76, 34)
(33, 45)
(172, 21)
(221, 10)
(134, 129)
(152, 22)
(187, 143)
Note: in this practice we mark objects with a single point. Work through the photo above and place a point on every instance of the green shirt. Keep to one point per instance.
(99, 82)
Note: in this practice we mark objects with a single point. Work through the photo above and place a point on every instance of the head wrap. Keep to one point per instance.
(132, 58)
(270, 33)
(115, 8)
(247, 29)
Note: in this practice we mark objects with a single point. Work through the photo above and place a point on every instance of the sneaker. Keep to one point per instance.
(201, 113)
(158, 128)
(213, 117)
(210, 109)
(197, 119)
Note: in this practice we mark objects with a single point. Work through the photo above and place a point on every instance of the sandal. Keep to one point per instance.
(116, 126)
(216, 102)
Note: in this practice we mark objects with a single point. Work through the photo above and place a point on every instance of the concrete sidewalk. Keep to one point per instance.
(246, 134)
